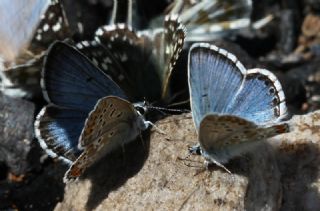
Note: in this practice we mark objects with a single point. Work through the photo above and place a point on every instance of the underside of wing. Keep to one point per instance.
(53, 26)
(168, 44)
(129, 63)
(225, 136)
(104, 119)
(116, 136)
(209, 19)
(110, 125)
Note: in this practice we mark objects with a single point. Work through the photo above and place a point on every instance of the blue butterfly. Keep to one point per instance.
(88, 114)
(232, 107)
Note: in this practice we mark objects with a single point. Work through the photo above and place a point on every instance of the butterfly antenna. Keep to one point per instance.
(156, 128)
(114, 12)
(167, 109)
(129, 14)
(262, 22)
(179, 103)
(176, 7)
(142, 141)
(121, 7)
(207, 163)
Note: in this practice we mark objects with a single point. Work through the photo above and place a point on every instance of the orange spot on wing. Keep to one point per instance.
(75, 171)
(282, 128)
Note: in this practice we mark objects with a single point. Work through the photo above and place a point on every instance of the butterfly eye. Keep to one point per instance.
(140, 110)
(195, 150)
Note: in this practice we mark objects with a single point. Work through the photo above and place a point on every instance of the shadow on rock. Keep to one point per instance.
(112, 171)
(256, 174)
(299, 165)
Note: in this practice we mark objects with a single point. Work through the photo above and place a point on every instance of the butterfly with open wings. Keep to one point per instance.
(232, 107)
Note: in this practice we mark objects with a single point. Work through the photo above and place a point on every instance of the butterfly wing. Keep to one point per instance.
(53, 26)
(58, 131)
(70, 80)
(136, 60)
(219, 83)
(112, 123)
(108, 112)
(260, 98)
(222, 137)
(215, 76)
(27, 28)
(23, 80)
(18, 21)
(119, 53)
(73, 85)
(167, 45)
(37, 21)
(209, 19)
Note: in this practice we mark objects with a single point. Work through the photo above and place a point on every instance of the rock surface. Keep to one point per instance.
(16, 132)
(281, 173)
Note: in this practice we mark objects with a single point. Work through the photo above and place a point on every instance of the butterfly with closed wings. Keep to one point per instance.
(139, 59)
(88, 114)
(232, 107)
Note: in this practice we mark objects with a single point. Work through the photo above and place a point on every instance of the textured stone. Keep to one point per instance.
(281, 173)
(153, 176)
(16, 132)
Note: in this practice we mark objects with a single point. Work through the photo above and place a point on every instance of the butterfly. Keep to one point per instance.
(232, 107)
(207, 20)
(139, 59)
(88, 114)
(27, 28)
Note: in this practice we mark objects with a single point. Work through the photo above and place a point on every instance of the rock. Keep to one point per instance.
(152, 175)
(281, 173)
(16, 132)
(308, 76)
(298, 156)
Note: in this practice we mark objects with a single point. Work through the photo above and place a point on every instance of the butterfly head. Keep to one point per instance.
(195, 150)
(141, 107)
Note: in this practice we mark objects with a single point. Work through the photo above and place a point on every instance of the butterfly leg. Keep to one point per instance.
(124, 158)
(207, 163)
(191, 151)
(156, 128)
(142, 141)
